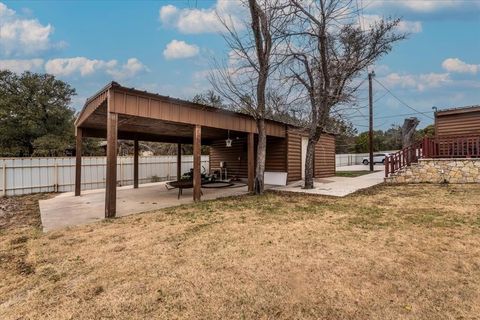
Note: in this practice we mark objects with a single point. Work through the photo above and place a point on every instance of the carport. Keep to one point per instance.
(117, 112)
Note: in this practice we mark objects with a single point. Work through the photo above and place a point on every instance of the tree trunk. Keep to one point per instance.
(261, 155)
(408, 130)
(309, 163)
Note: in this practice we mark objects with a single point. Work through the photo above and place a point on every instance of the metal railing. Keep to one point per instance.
(452, 147)
(436, 147)
(403, 158)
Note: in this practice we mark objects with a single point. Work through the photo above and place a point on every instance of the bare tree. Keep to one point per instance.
(244, 80)
(328, 51)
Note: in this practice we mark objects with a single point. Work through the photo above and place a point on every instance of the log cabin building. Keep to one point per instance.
(116, 112)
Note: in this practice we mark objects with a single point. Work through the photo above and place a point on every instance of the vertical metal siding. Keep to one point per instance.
(153, 106)
(32, 175)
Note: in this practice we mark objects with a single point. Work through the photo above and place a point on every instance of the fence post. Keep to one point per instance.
(121, 171)
(4, 170)
(55, 176)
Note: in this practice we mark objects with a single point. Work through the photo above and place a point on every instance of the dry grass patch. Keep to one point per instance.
(390, 252)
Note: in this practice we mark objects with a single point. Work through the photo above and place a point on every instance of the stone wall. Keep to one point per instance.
(439, 171)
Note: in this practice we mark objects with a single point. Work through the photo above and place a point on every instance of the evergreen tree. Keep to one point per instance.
(35, 117)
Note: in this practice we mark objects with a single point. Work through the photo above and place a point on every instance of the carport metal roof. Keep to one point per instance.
(152, 117)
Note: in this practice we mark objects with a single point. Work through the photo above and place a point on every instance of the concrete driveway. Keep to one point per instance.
(338, 186)
(361, 167)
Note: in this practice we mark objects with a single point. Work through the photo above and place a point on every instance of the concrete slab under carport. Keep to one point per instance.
(66, 210)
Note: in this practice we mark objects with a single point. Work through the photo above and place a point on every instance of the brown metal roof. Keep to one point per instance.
(157, 116)
(114, 84)
(456, 110)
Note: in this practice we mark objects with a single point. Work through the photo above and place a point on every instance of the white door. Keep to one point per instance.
(304, 154)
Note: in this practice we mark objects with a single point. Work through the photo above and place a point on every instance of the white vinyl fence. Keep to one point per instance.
(349, 159)
(30, 175)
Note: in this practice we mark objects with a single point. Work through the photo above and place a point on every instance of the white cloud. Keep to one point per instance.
(86, 67)
(458, 66)
(406, 26)
(19, 66)
(5, 11)
(128, 70)
(180, 50)
(420, 82)
(191, 21)
(423, 6)
(168, 14)
(22, 36)
(409, 26)
(82, 65)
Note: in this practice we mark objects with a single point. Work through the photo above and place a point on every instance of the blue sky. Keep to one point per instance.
(168, 47)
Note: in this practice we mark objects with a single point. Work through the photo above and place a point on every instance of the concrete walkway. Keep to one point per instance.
(67, 210)
(361, 167)
(337, 186)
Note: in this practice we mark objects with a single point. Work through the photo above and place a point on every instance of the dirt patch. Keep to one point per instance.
(19, 223)
(389, 252)
(21, 211)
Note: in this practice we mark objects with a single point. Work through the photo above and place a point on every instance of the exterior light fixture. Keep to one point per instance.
(228, 142)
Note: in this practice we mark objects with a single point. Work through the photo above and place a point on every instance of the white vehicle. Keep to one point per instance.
(377, 158)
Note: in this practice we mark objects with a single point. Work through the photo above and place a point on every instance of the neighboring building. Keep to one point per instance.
(452, 156)
(464, 121)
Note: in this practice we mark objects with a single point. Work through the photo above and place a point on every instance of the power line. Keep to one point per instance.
(403, 102)
(376, 100)
(390, 116)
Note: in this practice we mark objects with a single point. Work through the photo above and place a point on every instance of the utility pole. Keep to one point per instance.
(370, 119)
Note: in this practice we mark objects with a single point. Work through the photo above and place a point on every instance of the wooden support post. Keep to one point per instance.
(111, 177)
(387, 158)
(179, 161)
(251, 160)
(78, 162)
(135, 163)
(197, 178)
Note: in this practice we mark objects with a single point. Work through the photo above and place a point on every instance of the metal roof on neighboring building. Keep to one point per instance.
(454, 110)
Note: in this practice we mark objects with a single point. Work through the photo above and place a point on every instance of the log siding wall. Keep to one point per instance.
(324, 159)
(458, 122)
(236, 156)
(294, 155)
